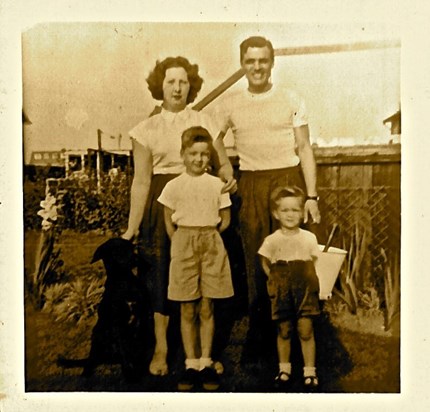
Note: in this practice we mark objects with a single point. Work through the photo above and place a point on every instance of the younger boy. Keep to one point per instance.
(288, 257)
(195, 213)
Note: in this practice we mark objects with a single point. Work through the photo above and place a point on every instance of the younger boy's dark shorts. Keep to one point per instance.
(293, 289)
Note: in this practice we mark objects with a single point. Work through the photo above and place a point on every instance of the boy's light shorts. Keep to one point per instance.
(199, 265)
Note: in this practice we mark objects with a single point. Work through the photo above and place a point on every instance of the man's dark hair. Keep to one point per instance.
(256, 41)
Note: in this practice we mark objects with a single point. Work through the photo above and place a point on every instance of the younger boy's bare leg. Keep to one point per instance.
(284, 341)
(307, 340)
(284, 350)
(158, 365)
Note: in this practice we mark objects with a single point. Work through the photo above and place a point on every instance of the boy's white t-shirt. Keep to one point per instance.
(195, 200)
(303, 245)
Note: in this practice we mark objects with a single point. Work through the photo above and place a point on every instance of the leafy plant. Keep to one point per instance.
(88, 206)
(350, 273)
(48, 265)
(391, 288)
(74, 302)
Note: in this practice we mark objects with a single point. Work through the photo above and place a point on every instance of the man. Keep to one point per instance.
(271, 135)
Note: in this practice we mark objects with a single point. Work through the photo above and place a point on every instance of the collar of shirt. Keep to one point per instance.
(175, 116)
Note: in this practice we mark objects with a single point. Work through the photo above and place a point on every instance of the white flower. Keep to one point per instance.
(48, 212)
(46, 225)
(48, 202)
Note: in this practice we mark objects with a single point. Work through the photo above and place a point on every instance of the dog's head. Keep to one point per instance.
(116, 253)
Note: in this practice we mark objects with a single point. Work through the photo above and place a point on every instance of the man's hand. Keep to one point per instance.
(230, 185)
(311, 210)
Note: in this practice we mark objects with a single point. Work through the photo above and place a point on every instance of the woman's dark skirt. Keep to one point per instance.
(154, 247)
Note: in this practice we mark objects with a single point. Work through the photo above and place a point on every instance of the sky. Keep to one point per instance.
(80, 77)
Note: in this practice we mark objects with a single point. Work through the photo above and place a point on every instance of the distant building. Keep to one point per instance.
(64, 162)
(396, 122)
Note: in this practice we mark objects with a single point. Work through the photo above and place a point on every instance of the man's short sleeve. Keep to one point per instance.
(221, 117)
(211, 124)
(300, 115)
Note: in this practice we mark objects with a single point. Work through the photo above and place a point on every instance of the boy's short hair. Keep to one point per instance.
(285, 191)
(256, 41)
(196, 134)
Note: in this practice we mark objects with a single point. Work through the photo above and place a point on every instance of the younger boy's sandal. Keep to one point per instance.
(283, 380)
(209, 379)
(310, 382)
(188, 380)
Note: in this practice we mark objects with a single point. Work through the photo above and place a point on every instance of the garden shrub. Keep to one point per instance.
(84, 206)
(34, 193)
(74, 302)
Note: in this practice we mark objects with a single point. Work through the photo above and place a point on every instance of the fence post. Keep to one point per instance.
(98, 161)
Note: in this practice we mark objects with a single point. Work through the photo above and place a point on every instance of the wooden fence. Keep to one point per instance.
(359, 187)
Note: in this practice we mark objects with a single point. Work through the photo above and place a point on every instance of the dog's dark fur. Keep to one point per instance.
(121, 332)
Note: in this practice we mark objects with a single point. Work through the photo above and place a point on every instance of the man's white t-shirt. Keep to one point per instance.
(262, 126)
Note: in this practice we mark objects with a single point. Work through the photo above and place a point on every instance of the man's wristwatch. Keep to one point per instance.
(316, 198)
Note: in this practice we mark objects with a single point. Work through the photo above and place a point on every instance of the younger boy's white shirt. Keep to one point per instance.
(195, 200)
(301, 246)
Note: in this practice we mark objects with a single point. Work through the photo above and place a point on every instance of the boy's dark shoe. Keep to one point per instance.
(188, 380)
(310, 383)
(210, 379)
(283, 382)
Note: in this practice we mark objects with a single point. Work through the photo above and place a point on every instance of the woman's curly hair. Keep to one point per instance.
(156, 77)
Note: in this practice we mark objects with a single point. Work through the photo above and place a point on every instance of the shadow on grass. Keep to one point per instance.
(43, 376)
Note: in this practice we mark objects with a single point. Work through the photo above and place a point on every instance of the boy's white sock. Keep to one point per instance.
(309, 371)
(205, 363)
(285, 367)
(192, 364)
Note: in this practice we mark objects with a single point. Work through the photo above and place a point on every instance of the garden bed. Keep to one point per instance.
(355, 353)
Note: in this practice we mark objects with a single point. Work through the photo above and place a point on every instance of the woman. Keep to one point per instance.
(156, 152)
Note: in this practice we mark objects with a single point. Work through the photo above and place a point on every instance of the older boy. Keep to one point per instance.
(196, 212)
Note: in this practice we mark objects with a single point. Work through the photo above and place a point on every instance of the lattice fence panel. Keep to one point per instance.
(372, 209)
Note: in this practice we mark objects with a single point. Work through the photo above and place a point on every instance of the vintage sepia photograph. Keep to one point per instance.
(212, 207)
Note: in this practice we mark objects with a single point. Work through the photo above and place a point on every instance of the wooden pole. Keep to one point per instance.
(219, 90)
(337, 48)
(98, 161)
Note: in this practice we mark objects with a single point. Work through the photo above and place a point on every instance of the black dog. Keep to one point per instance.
(121, 332)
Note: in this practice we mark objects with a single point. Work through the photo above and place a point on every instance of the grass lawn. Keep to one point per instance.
(354, 353)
